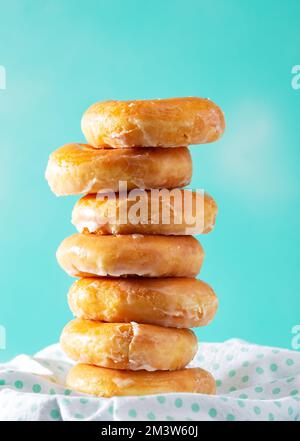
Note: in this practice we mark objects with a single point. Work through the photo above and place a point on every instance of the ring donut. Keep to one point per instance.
(173, 302)
(165, 212)
(153, 123)
(128, 345)
(104, 382)
(80, 169)
(84, 255)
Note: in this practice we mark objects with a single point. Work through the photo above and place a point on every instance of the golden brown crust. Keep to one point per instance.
(128, 345)
(81, 169)
(149, 212)
(84, 255)
(104, 382)
(171, 302)
(153, 123)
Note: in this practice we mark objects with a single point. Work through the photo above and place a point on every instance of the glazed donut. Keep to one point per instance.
(128, 345)
(80, 169)
(172, 302)
(84, 255)
(166, 212)
(104, 382)
(153, 123)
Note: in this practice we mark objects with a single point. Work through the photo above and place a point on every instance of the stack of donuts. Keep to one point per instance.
(137, 292)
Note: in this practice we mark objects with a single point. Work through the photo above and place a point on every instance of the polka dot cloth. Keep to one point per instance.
(253, 383)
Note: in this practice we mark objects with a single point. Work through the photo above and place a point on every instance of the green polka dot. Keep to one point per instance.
(277, 403)
(178, 403)
(169, 418)
(216, 366)
(19, 384)
(55, 414)
(36, 388)
(230, 417)
(67, 392)
(34, 408)
(246, 364)
(290, 410)
(52, 392)
(151, 416)
(2, 382)
(132, 413)
(296, 398)
(289, 362)
(257, 410)
(260, 356)
(275, 351)
(212, 412)
(294, 392)
(245, 378)
(110, 410)
(241, 403)
(244, 349)
(161, 399)
(232, 373)
(276, 391)
(243, 396)
(258, 389)
(229, 357)
(232, 389)
(259, 370)
(218, 383)
(84, 400)
(271, 417)
(195, 407)
(79, 416)
(67, 401)
(273, 367)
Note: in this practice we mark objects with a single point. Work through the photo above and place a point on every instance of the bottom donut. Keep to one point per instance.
(104, 382)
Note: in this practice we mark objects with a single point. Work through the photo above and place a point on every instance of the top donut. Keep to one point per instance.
(170, 122)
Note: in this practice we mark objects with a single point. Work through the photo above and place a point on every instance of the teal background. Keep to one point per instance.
(61, 56)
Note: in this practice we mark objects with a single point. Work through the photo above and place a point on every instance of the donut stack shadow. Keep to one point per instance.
(137, 294)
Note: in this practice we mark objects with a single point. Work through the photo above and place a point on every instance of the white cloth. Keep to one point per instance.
(254, 383)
